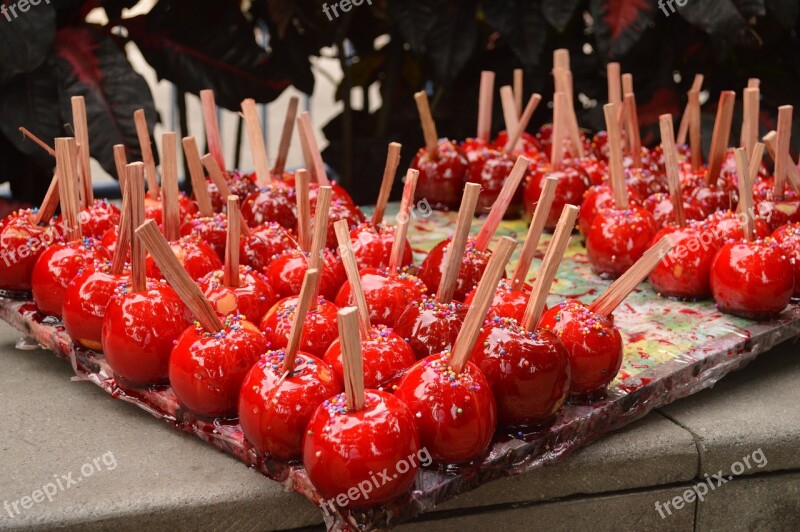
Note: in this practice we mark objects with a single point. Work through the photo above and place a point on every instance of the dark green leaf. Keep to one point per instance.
(25, 38)
(521, 24)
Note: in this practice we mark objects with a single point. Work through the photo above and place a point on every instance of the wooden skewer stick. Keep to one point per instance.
(170, 194)
(215, 173)
(570, 117)
(519, 77)
(782, 149)
(673, 171)
(510, 116)
(310, 280)
(403, 219)
(634, 136)
(351, 358)
(749, 135)
(135, 184)
(213, 138)
(49, 204)
(522, 125)
(389, 172)
(720, 136)
(320, 234)
(615, 166)
(500, 206)
(745, 194)
(197, 176)
(124, 232)
(351, 269)
(256, 138)
(455, 250)
(120, 162)
(559, 127)
(540, 214)
(561, 58)
(315, 165)
(624, 285)
(484, 293)
(177, 277)
(286, 138)
(695, 144)
(81, 125)
(146, 146)
(755, 162)
(547, 273)
(230, 275)
(428, 125)
(67, 169)
(39, 142)
(301, 180)
(614, 83)
(683, 129)
(485, 101)
(791, 169)
(627, 86)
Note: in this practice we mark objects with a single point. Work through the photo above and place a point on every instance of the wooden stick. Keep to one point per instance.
(791, 169)
(230, 275)
(428, 125)
(301, 180)
(124, 232)
(782, 142)
(522, 125)
(519, 77)
(547, 273)
(197, 176)
(485, 101)
(49, 204)
(627, 84)
(146, 146)
(720, 136)
(213, 138)
(565, 86)
(135, 184)
(351, 269)
(286, 137)
(614, 83)
(403, 219)
(67, 169)
(624, 285)
(753, 83)
(484, 293)
(316, 165)
(755, 162)
(170, 209)
(694, 131)
(177, 277)
(749, 135)
(120, 162)
(215, 173)
(673, 171)
(561, 58)
(540, 214)
(615, 166)
(351, 358)
(510, 116)
(81, 125)
(310, 279)
(745, 193)
(320, 234)
(256, 139)
(455, 250)
(500, 206)
(559, 127)
(683, 129)
(39, 142)
(389, 171)
(634, 136)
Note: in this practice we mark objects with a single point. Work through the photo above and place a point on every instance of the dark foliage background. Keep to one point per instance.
(50, 53)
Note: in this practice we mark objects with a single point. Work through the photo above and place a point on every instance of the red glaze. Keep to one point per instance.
(711, 200)
(788, 236)
(99, 218)
(455, 413)
(489, 169)
(139, 331)
(529, 143)
(472, 266)
(661, 207)
(265, 243)
(596, 200)
(337, 193)
(385, 356)
(109, 243)
(85, 302)
(285, 273)
(593, 343)
(206, 370)
(240, 184)
(727, 225)
(595, 169)
(195, 256)
(274, 410)
(252, 298)
(572, 185)
(506, 303)
(372, 246)
(778, 212)
(275, 203)
(528, 371)
(599, 146)
(340, 210)
(752, 279)
(441, 179)
(21, 244)
(387, 295)
(211, 230)
(320, 328)
(56, 267)
(646, 183)
(617, 239)
(344, 449)
(186, 207)
(685, 273)
(429, 326)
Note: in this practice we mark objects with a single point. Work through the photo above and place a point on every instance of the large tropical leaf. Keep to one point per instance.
(521, 24)
(620, 23)
(26, 39)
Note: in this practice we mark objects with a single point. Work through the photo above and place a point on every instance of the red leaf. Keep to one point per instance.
(621, 14)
